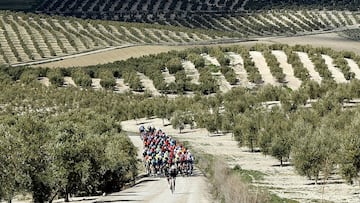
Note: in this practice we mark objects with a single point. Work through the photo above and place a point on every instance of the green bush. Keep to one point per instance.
(81, 78)
(55, 77)
(174, 65)
(107, 79)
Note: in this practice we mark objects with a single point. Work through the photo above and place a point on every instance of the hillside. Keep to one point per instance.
(353, 34)
(272, 113)
(109, 8)
(21, 5)
(207, 71)
(205, 14)
(30, 37)
(246, 79)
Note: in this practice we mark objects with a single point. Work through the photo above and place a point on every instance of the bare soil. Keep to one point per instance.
(263, 68)
(354, 67)
(111, 56)
(336, 73)
(148, 84)
(292, 82)
(304, 58)
(191, 71)
(330, 40)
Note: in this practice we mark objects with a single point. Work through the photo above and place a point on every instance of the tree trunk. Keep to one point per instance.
(53, 197)
(67, 195)
(281, 162)
(10, 199)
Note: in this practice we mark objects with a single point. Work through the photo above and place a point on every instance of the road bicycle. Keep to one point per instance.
(172, 184)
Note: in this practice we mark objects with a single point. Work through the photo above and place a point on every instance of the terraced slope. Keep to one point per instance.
(27, 38)
(353, 34)
(42, 37)
(258, 24)
(24, 5)
(224, 15)
(297, 65)
(152, 8)
(271, 23)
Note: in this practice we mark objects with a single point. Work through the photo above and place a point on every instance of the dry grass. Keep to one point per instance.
(330, 40)
(110, 56)
(228, 186)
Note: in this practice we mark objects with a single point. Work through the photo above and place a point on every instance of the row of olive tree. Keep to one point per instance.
(241, 111)
(75, 153)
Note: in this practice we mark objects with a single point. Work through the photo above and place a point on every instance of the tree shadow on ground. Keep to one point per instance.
(320, 182)
(122, 200)
(283, 165)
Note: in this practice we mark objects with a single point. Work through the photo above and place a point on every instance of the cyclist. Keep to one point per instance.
(172, 176)
(190, 162)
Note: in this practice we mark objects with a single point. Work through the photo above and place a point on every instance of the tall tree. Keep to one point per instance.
(314, 152)
(249, 126)
(349, 155)
(12, 159)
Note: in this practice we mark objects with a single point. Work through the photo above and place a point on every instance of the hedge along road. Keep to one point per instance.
(156, 189)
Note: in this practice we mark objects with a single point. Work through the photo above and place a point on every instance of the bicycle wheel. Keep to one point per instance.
(172, 187)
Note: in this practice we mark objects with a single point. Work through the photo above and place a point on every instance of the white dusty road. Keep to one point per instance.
(192, 189)
(187, 190)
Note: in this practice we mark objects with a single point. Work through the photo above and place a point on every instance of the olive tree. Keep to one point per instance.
(315, 152)
(349, 155)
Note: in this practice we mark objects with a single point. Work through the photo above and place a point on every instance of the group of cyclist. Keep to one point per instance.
(163, 155)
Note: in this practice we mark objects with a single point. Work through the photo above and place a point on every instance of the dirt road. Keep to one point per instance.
(187, 190)
(156, 189)
(283, 181)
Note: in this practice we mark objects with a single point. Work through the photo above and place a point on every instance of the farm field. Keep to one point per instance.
(265, 93)
(30, 39)
(19, 4)
(111, 56)
(181, 11)
(330, 40)
(353, 34)
(229, 66)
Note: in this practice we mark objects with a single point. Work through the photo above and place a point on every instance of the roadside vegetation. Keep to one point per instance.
(233, 184)
(52, 123)
(53, 144)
